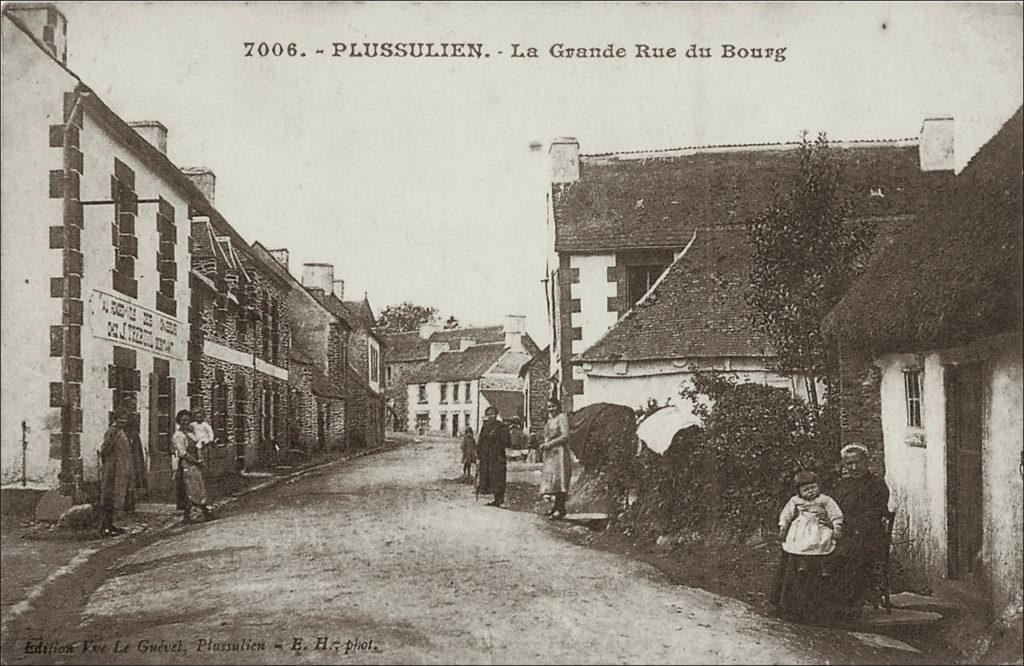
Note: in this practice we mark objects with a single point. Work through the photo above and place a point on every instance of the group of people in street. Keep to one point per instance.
(833, 545)
(488, 452)
(120, 469)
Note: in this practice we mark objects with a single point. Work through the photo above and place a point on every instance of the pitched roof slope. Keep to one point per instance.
(623, 201)
(411, 347)
(955, 276)
(454, 366)
(698, 310)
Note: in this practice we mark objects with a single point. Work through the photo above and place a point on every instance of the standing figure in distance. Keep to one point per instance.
(468, 453)
(494, 439)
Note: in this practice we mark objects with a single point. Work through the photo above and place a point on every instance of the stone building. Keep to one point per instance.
(95, 296)
(240, 344)
(318, 364)
(537, 388)
(364, 356)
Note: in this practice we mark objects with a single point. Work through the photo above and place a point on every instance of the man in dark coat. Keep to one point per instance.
(117, 471)
(491, 444)
(864, 501)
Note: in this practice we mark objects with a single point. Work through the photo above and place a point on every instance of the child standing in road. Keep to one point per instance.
(468, 453)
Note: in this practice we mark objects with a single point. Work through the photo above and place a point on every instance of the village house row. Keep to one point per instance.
(123, 285)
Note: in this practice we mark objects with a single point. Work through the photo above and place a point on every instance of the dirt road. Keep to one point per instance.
(386, 560)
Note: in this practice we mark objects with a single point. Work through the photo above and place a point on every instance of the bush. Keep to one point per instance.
(735, 475)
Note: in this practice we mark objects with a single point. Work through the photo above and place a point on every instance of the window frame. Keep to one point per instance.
(913, 397)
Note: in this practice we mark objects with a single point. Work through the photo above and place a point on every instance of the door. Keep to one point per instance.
(321, 436)
(455, 425)
(964, 409)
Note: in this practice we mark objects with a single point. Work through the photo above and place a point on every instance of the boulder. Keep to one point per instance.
(78, 517)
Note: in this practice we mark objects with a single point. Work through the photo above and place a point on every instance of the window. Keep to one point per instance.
(912, 385)
(639, 279)
(444, 393)
(465, 420)
(455, 425)
(219, 417)
(241, 401)
(444, 423)
(422, 422)
(455, 393)
(388, 373)
(374, 360)
(468, 398)
(422, 394)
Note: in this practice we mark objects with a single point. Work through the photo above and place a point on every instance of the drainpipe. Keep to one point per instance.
(24, 454)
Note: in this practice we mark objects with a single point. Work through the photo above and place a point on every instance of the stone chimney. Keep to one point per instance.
(565, 160)
(44, 22)
(281, 256)
(436, 349)
(318, 277)
(427, 330)
(339, 289)
(466, 343)
(515, 326)
(155, 133)
(202, 178)
(936, 146)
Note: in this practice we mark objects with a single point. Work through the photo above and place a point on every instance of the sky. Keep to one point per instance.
(415, 177)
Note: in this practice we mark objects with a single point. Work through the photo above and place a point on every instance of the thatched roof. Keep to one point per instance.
(956, 274)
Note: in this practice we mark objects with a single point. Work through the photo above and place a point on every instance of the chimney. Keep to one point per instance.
(436, 348)
(936, 145)
(515, 326)
(427, 330)
(466, 343)
(44, 22)
(339, 289)
(281, 256)
(318, 276)
(155, 133)
(202, 178)
(565, 160)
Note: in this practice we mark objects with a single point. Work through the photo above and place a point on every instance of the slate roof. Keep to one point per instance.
(456, 366)
(508, 403)
(697, 310)
(404, 347)
(511, 362)
(656, 200)
(957, 275)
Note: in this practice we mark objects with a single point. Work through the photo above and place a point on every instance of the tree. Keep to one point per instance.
(405, 317)
(807, 249)
(451, 323)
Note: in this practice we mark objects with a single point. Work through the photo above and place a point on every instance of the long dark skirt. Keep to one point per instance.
(804, 589)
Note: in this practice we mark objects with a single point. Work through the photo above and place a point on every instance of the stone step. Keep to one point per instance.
(877, 618)
(880, 641)
(585, 518)
(920, 602)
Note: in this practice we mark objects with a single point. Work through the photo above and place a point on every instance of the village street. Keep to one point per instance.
(389, 549)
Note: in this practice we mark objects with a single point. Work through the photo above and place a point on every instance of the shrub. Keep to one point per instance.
(735, 474)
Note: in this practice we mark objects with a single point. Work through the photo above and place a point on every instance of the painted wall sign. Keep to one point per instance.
(126, 323)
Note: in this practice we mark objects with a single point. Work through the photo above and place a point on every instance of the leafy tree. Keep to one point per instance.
(807, 250)
(405, 317)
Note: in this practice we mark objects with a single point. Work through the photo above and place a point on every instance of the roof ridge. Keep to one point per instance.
(662, 152)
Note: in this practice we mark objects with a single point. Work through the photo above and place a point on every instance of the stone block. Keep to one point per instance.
(52, 505)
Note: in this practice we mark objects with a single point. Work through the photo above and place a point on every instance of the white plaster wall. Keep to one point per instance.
(1003, 490)
(99, 150)
(632, 383)
(374, 379)
(916, 475)
(593, 289)
(33, 87)
(435, 407)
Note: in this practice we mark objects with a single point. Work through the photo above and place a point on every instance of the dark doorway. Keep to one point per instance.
(964, 416)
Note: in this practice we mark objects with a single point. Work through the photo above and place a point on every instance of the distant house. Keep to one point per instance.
(456, 384)
(695, 315)
(617, 221)
(940, 312)
(407, 352)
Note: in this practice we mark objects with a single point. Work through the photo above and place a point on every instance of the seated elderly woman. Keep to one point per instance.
(864, 501)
